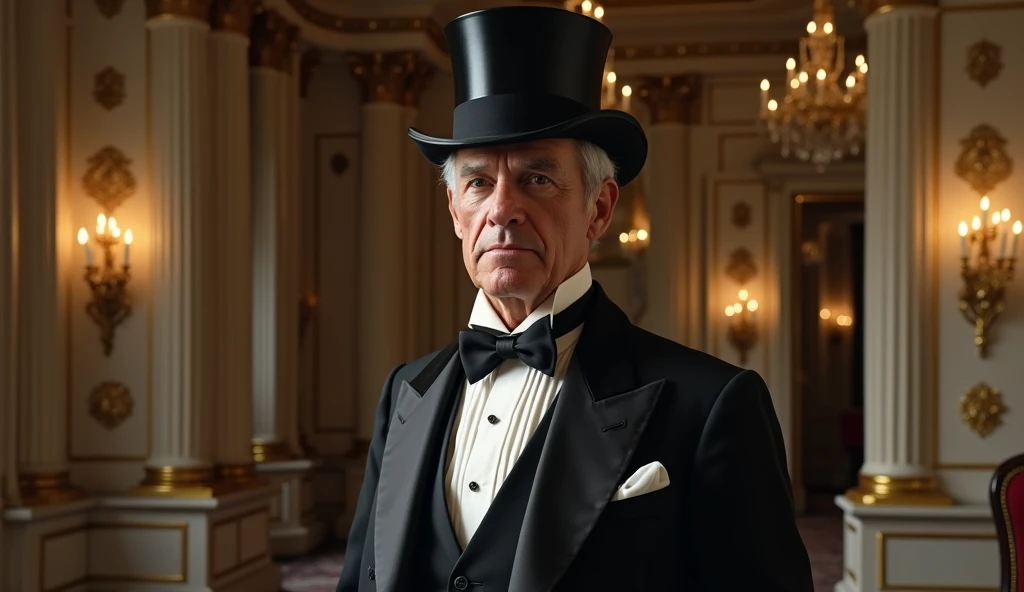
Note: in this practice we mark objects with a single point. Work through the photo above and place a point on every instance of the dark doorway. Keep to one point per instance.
(829, 345)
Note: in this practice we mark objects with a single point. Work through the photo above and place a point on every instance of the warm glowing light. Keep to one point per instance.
(975, 223)
(985, 203)
(962, 229)
(624, 238)
(791, 64)
(101, 224)
(627, 90)
(803, 77)
(115, 231)
(752, 305)
(765, 85)
(821, 74)
(844, 321)
(828, 28)
(773, 105)
(641, 234)
(128, 238)
(612, 78)
(83, 236)
(729, 311)
(825, 314)
(864, 68)
(1005, 214)
(599, 12)
(851, 81)
(743, 295)
(995, 217)
(794, 83)
(859, 61)
(811, 27)
(587, 6)
(1016, 227)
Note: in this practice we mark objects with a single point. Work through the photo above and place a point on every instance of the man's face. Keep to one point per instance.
(523, 218)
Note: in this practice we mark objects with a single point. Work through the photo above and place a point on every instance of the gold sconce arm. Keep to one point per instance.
(110, 303)
(742, 330)
(984, 276)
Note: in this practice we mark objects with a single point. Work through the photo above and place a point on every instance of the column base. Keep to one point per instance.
(197, 483)
(271, 451)
(882, 548)
(295, 529)
(48, 489)
(898, 491)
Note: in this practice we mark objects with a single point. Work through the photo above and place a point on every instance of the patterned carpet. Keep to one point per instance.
(822, 534)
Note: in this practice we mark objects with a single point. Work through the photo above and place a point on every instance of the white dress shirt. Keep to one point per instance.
(498, 414)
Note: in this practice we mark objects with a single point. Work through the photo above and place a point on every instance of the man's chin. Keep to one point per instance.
(511, 282)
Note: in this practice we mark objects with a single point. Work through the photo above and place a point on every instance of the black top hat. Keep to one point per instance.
(525, 73)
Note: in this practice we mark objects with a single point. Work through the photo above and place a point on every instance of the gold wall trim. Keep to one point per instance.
(181, 576)
(881, 542)
(722, 48)
(240, 564)
(193, 9)
(334, 22)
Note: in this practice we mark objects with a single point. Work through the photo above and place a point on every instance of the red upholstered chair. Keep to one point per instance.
(1007, 497)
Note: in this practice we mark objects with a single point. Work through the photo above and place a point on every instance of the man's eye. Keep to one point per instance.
(538, 179)
(476, 183)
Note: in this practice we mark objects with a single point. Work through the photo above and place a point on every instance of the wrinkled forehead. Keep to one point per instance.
(542, 155)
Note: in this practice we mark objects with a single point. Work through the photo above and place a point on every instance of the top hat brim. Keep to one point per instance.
(618, 133)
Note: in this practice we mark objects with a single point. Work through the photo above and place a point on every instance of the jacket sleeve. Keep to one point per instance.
(741, 501)
(353, 569)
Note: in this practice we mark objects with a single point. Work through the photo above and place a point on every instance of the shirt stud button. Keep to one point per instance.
(492, 418)
(473, 486)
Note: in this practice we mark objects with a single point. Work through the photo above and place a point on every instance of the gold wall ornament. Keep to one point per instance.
(232, 15)
(109, 179)
(741, 214)
(110, 403)
(270, 41)
(741, 266)
(986, 272)
(742, 324)
(671, 99)
(984, 62)
(984, 162)
(109, 8)
(384, 77)
(982, 408)
(110, 303)
(109, 88)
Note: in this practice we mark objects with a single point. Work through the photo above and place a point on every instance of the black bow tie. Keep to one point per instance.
(483, 349)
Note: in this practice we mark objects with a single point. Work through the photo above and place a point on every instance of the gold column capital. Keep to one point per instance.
(271, 41)
(193, 9)
(872, 6)
(671, 99)
(418, 80)
(385, 77)
(232, 15)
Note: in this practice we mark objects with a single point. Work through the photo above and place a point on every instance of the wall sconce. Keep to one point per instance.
(984, 275)
(110, 304)
(742, 329)
(840, 320)
(636, 240)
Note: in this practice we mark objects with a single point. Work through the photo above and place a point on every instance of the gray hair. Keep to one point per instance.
(597, 167)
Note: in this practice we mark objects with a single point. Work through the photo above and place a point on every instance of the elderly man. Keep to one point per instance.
(554, 445)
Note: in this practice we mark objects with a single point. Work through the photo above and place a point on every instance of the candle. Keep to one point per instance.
(1002, 243)
(128, 237)
(627, 92)
(1016, 235)
(962, 230)
(765, 85)
(83, 239)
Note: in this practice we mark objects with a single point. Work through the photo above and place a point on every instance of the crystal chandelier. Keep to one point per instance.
(818, 120)
(612, 96)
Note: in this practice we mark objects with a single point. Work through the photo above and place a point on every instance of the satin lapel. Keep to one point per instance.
(598, 421)
(404, 466)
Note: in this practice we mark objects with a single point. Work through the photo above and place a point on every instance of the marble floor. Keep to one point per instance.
(821, 530)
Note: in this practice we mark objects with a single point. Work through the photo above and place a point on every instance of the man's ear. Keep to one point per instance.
(602, 209)
(455, 213)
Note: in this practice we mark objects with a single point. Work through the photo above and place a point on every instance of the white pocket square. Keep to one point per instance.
(648, 478)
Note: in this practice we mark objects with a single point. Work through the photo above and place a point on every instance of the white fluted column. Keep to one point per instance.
(183, 399)
(383, 315)
(417, 233)
(42, 258)
(275, 313)
(9, 492)
(669, 270)
(899, 257)
(231, 209)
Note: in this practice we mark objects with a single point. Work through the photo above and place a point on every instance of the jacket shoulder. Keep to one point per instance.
(703, 374)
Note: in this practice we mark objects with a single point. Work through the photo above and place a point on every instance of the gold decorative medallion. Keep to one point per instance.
(109, 179)
(109, 88)
(109, 8)
(110, 404)
(984, 62)
(741, 266)
(982, 408)
(741, 214)
(984, 163)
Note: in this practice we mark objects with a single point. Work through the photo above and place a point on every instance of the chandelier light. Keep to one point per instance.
(612, 95)
(821, 118)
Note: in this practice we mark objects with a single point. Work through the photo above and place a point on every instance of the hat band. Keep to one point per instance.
(498, 115)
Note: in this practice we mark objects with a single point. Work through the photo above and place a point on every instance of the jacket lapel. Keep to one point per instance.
(598, 420)
(417, 419)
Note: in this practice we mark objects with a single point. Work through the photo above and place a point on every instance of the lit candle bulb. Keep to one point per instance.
(101, 224)
(962, 230)
(83, 239)
(128, 238)
(765, 86)
(1016, 235)
(975, 223)
(1002, 235)
(627, 92)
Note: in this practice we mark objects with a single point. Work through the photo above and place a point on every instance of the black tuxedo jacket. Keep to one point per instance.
(725, 523)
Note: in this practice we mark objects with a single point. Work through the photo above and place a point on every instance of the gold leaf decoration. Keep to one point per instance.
(110, 404)
(981, 408)
(109, 179)
(109, 88)
(741, 214)
(741, 266)
(984, 163)
(984, 62)
(109, 8)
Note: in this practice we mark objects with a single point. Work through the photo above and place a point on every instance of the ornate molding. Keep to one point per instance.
(385, 77)
(232, 15)
(722, 48)
(984, 62)
(193, 9)
(110, 404)
(334, 22)
(109, 8)
(272, 38)
(109, 179)
(671, 99)
(741, 266)
(109, 88)
(984, 162)
(981, 409)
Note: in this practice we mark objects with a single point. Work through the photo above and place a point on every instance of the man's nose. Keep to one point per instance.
(506, 205)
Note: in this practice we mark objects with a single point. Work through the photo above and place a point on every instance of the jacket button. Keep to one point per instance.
(492, 418)
(461, 583)
(370, 573)
(473, 486)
